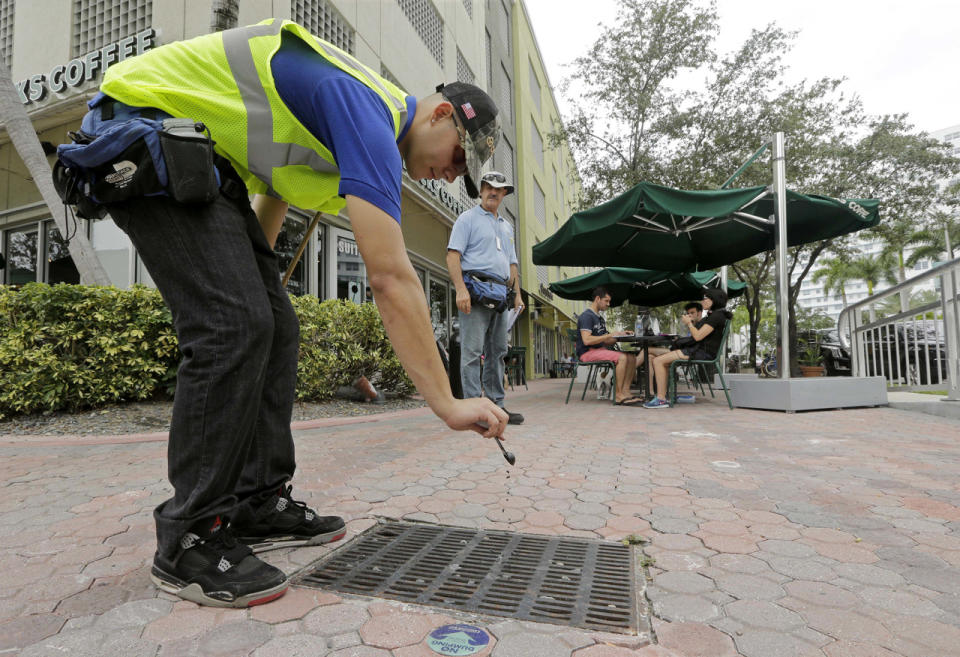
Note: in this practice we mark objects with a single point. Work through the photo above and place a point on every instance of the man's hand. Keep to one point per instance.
(463, 301)
(610, 338)
(478, 414)
(518, 303)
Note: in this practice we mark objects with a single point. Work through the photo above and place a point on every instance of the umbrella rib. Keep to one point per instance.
(754, 217)
(701, 222)
(630, 239)
(748, 224)
(653, 224)
(755, 198)
(714, 221)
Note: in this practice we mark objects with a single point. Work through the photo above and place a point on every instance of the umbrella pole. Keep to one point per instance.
(783, 282)
(726, 345)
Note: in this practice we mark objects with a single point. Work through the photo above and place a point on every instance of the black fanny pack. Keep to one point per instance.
(136, 157)
(489, 291)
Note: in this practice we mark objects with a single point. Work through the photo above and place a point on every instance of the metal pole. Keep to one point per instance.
(783, 283)
(726, 348)
(951, 326)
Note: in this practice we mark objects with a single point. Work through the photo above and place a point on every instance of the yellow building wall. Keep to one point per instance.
(561, 193)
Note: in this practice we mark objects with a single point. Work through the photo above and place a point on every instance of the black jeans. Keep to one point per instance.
(230, 442)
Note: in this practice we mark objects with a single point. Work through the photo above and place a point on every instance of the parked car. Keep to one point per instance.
(836, 359)
(909, 353)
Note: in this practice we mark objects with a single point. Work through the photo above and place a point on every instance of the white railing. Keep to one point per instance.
(917, 348)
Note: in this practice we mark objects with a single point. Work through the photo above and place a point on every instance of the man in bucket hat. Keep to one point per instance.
(481, 253)
(294, 120)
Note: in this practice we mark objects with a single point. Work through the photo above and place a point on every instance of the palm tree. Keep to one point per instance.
(873, 269)
(25, 141)
(935, 240)
(834, 276)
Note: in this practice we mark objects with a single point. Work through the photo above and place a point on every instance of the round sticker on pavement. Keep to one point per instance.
(457, 640)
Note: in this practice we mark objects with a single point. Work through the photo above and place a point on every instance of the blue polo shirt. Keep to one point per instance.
(474, 236)
(347, 117)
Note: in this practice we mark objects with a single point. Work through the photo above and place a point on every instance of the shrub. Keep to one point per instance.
(71, 347)
(340, 341)
(74, 346)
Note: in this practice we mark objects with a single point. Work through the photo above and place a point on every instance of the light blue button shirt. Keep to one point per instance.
(474, 236)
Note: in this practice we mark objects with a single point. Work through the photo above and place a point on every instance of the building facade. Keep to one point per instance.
(415, 43)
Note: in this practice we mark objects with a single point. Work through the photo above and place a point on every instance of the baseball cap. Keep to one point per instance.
(477, 114)
(496, 179)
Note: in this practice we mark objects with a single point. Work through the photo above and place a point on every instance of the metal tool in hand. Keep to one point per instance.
(511, 459)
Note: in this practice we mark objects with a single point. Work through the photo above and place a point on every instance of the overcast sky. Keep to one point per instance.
(898, 56)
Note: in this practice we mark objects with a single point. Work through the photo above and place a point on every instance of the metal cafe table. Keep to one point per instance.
(645, 341)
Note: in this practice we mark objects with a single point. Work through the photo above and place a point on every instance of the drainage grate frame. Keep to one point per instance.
(583, 583)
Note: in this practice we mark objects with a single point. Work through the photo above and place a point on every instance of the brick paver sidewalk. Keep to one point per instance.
(833, 534)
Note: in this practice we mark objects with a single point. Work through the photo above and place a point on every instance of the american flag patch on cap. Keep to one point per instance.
(468, 110)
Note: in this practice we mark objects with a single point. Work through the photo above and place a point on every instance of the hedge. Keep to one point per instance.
(75, 347)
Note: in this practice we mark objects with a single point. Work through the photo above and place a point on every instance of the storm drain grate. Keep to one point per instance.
(576, 582)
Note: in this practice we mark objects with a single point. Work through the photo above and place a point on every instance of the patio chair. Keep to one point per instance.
(698, 369)
(515, 366)
(594, 369)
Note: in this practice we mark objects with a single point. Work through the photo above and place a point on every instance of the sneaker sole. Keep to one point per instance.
(193, 592)
(275, 543)
(659, 406)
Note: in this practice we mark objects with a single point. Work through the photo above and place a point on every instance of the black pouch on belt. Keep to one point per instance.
(188, 154)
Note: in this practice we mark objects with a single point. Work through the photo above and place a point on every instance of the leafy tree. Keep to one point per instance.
(874, 269)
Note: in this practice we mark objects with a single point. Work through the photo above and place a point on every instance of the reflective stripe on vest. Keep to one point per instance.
(268, 154)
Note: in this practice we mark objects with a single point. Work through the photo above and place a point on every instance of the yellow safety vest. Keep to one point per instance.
(224, 80)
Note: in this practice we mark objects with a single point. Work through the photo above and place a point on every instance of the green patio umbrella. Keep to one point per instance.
(644, 287)
(668, 229)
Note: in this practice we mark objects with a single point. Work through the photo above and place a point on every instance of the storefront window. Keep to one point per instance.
(439, 310)
(288, 241)
(21, 253)
(351, 272)
(59, 265)
(113, 248)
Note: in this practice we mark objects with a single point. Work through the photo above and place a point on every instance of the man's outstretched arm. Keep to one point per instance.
(403, 307)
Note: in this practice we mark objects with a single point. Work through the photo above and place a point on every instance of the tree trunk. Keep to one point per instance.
(27, 145)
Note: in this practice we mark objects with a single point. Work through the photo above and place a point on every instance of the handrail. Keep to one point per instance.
(869, 342)
(943, 267)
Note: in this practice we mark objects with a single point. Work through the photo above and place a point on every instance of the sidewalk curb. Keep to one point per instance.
(49, 440)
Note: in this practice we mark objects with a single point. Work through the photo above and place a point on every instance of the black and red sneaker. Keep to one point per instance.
(281, 521)
(213, 568)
